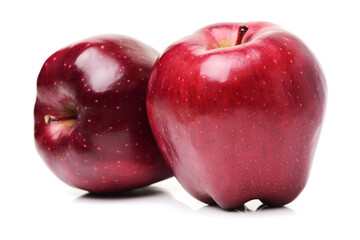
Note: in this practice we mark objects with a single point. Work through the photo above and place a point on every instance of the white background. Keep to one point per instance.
(34, 204)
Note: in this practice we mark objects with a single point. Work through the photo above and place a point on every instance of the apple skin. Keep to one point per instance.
(103, 142)
(237, 123)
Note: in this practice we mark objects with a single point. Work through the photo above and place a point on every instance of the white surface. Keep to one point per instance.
(34, 204)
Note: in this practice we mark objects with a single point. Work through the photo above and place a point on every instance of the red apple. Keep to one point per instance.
(91, 126)
(236, 110)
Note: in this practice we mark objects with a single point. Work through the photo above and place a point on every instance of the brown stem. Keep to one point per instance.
(49, 119)
(241, 33)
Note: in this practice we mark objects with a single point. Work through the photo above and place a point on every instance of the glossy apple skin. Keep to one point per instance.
(242, 122)
(109, 147)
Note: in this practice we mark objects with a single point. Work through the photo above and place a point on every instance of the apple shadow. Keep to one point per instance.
(150, 196)
(269, 210)
(137, 193)
(253, 208)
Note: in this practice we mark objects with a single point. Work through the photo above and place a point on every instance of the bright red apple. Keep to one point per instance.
(236, 110)
(91, 126)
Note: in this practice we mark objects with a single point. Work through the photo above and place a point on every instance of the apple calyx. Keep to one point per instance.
(49, 118)
(242, 30)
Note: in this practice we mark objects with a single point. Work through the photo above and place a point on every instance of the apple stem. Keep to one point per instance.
(49, 119)
(242, 30)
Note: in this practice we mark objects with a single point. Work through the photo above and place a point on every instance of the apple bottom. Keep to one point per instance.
(106, 169)
(104, 178)
(229, 197)
(219, 163)
(267, 190)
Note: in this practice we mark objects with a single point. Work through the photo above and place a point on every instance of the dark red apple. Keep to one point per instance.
(236, 110)
(91, 126)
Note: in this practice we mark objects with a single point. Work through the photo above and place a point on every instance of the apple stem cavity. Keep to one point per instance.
(242, 30)
(49, 119)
